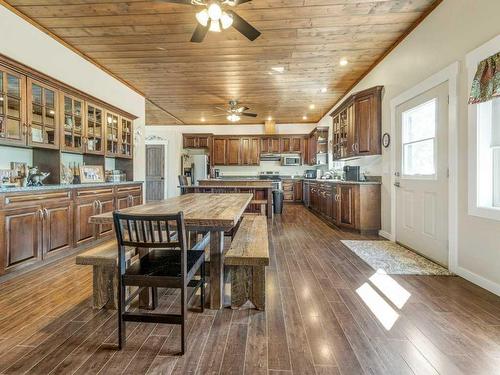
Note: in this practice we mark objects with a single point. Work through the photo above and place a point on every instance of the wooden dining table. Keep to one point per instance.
(213, 213)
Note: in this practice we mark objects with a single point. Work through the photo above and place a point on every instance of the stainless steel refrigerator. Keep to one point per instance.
(200, 168)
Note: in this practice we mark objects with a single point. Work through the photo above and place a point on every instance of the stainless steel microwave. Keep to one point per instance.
(290, 160)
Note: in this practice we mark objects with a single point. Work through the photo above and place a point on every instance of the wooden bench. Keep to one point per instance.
(246, 260)
(104, 260)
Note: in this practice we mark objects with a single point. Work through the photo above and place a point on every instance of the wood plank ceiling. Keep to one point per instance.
(146, 43)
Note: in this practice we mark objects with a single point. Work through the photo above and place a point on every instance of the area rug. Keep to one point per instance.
(394, 259)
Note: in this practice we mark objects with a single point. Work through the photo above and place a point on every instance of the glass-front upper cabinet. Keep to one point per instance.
(73, 117)
(112, 134)
(126, 137)
(13, 127)
(94, 134)
(42, 115)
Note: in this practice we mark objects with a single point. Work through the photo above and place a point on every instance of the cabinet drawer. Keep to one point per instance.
(92, 193)
(129, 189)
(35, 198)
(288, 196)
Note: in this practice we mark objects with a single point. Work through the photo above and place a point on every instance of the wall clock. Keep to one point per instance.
(386, 140)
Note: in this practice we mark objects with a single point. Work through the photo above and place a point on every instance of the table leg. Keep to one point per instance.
(216, 269)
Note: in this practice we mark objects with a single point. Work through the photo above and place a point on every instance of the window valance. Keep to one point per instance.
(486, 83)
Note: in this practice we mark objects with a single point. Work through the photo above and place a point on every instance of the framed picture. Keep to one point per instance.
(91, 174)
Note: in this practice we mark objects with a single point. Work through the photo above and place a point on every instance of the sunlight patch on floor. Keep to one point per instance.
(391, 288)
(378, 306)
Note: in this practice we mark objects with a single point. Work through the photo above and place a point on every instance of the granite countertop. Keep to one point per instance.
(65, 187)
(332, 181)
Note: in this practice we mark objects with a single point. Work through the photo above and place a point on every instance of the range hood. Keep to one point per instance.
(270, 157)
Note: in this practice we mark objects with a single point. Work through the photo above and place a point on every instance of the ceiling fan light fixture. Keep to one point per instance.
(214, 11)
(202, 17)
(233, 117)
(226, 20)
(215, 26)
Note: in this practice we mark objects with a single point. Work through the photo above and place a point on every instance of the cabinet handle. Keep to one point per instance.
(46, 212)
(99, 203)
(25, 128)
(40, 214)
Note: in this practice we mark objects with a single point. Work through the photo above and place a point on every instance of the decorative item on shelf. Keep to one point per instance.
(66, 175)
(76, 173)
(386, 140)
(35, 177)
(91, 174)
(19, 173)
(115, 175)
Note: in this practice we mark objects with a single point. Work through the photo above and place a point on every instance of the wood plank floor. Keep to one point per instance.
(316, 320)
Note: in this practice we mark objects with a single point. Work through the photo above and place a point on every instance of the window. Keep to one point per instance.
(419, 140)
(488, 154)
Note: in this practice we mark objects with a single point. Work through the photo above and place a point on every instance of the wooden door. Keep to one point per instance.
(84, 231)
(94, 130)
(106, 204)
(21, 240)
(297, 191)
(347, 205)
(285, 144)
(274, 145)
(13, 128)
(233, 151)
(72, 119)
(57, 233)
(43, 115)
(368, 124)
(155, 172)
(219, 151)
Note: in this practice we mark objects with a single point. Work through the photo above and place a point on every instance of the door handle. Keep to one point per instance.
(397, 184)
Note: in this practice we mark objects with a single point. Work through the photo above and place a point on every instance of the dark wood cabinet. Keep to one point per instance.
(357, 124)
(94, 130)
(35, 226)
(42, 113)
(291, 144)
(292, 190)
(233, 148)
(297, 191)
(250, 151)
(57, 228)
(13, 128)
(20, 237)
(270, 145)
(72, 120)
(196, 140)
(350, 206)
(219, 151)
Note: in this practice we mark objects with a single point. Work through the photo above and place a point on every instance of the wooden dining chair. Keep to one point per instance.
(169, 264)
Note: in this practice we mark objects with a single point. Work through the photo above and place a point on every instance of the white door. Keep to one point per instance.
(422, 174)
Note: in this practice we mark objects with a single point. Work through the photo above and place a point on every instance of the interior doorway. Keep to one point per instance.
(421, 173)
(155, 172)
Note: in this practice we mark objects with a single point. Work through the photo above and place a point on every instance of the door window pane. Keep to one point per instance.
(13, 86)
(418, 138)
(36, 94)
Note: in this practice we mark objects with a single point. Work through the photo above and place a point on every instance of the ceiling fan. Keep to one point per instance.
(234, 113)
(217, 16)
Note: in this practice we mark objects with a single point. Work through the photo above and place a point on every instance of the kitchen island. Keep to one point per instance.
(40, 224)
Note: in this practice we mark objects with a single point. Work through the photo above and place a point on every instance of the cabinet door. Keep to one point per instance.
(297, 191)
(136, 200)
(126, 132)
(219, 151)
(57, 227)
(250, 151)
(203, 141)
(105, 205)
(334, 205)
(296, 144)
(112, 134)
(21, 240)
(94, 130)
(367, 125)
(274, 145)
(306, 193)
(264, 145)
(347, 204)
(233, 151)
(123, 202)
(84, 231)
(189, 141)
(285, 144)
(312, 147)
(72, 120)
(13, 128)
(43, 115)
(351, 136)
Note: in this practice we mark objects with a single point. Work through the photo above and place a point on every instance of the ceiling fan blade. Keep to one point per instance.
(222, 109)
(220, 115)
(239, 2)
(244, 27)
(249, 114)
(243, 109)
(199, 33)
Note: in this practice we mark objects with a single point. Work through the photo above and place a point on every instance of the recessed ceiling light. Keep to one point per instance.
(304, 117)
(269, 118)
(343, 62)
(324, 89)
(278, 69)
(312, 106)
(202, 119)
(160, 48)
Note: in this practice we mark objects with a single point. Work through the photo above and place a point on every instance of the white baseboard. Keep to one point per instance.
(386, 235)
(478, 280)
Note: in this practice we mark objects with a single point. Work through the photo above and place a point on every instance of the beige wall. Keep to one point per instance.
(454, 28)
(23, 42)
